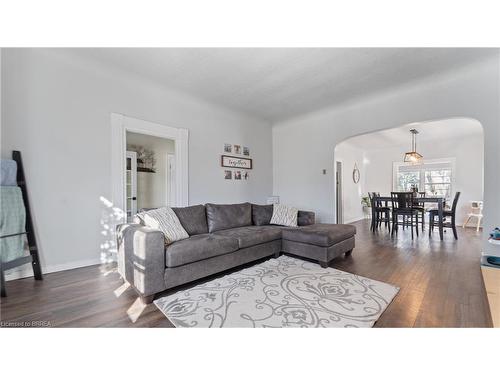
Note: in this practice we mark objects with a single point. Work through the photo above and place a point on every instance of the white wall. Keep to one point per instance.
(471, 92)
(468, 179)
(152, 187)
(351, 192)
(56, 110)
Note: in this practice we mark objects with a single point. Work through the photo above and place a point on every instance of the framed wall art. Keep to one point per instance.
(235, 162)
(355, 174)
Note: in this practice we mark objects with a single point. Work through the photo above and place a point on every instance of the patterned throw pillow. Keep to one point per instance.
(165, 220)
(283, 215)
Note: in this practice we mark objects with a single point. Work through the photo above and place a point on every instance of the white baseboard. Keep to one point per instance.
(355, 219)
(27, 271)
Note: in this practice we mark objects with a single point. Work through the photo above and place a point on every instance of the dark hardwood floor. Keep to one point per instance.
(441, 286)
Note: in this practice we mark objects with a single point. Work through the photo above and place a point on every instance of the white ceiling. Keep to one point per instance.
(428, 131)
(278, 83)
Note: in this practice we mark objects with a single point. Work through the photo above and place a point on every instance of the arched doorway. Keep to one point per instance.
(453, 151)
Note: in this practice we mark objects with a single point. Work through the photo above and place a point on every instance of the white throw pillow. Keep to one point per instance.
(283, 215)
(165, 220)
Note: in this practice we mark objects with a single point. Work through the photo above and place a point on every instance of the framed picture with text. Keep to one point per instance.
(235, 162)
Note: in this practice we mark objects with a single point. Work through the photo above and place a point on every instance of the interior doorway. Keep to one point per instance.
(148, 172)
(149, 165)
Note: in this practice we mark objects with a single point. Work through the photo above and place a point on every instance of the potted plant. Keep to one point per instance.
(367, 207)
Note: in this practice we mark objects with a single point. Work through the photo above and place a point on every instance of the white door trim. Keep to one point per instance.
(133, 182)
(170, 177)
(339, 191)
(120, 124)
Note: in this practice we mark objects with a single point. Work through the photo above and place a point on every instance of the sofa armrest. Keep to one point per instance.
(141, 257)
(306, 218)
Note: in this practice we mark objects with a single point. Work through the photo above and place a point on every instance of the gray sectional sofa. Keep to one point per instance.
(221, 237)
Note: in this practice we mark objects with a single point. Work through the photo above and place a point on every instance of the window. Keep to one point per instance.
(435, 177)
(438, 182)
(407, 180)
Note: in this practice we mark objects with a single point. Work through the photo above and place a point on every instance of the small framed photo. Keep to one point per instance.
(237, 149)
(246, 175)
(228, 148)
(246, 151)
(228, 175)
(237, 175)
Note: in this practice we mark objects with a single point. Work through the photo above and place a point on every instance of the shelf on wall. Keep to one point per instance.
(141, 169)
(148, 170)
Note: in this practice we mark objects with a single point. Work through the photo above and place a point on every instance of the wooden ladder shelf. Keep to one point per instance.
(29, 232)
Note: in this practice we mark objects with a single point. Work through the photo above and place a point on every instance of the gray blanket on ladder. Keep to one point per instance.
(12, 220)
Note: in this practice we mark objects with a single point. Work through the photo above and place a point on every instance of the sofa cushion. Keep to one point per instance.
(320, 234)
(192, 218)
(253, 235)
(261, 214)
(225, 216)
(198, 247)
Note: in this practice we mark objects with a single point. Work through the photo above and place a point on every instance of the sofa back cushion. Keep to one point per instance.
(261, 214)
(305, 218)
(192, 218)
(226, 216)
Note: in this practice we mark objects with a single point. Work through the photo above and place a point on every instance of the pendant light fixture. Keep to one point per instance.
(413, 156)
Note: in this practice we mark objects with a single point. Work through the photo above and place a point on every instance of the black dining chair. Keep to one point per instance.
(382, 212)
(420, 207)
(433, 214)
(402, 205)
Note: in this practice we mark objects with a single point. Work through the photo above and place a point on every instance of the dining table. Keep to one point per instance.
(440, 201)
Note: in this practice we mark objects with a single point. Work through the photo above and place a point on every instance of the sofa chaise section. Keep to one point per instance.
(321, 242)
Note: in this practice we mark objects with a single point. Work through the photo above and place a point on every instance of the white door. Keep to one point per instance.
(131, 184)
(171, 193)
